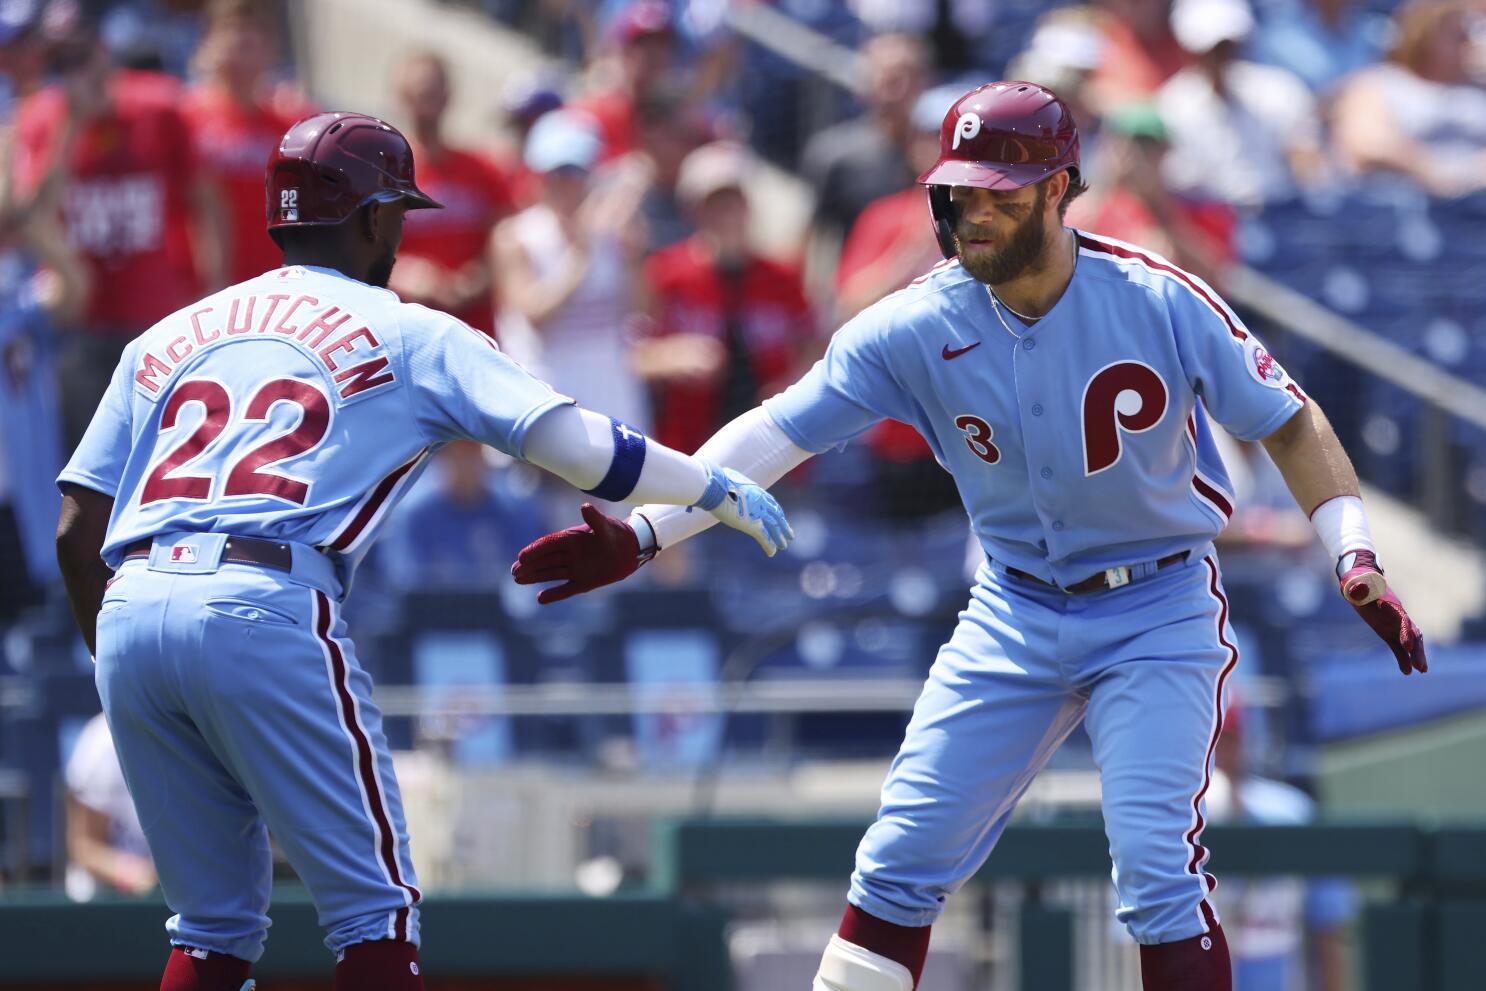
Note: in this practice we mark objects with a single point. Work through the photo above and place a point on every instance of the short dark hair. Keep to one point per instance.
(1076, 188)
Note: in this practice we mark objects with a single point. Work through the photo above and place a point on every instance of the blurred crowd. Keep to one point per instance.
(620, 233)
(609, 236)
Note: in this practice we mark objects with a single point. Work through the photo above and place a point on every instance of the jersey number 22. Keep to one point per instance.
(246, 476)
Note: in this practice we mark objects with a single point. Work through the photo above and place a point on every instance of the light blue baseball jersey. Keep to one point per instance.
(300, 406)
(1078, 443)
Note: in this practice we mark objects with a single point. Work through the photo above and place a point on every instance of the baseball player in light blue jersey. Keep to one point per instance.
(1066, 381)
(244, 457)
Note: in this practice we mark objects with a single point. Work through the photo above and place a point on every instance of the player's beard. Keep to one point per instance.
(1020, 250)
(381, 270)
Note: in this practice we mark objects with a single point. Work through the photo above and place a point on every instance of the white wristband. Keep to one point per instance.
(1342, 526)
(644, 533)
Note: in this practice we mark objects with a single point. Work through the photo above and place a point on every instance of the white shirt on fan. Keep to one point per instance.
(95, 779)
(1236, 149)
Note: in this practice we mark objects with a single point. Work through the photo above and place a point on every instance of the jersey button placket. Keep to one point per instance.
(1044, 509)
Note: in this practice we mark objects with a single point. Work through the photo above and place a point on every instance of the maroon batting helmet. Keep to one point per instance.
(1001, 136)
(328, 165)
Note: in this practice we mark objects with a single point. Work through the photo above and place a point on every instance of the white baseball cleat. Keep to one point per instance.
(848, 967)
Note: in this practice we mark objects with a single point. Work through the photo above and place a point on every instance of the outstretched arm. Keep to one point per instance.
(1320, 476)
(604, 550)
(847, 391)
(611, 460)
(754, 445)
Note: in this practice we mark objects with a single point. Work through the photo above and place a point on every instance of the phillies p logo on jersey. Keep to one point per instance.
(1123, 397)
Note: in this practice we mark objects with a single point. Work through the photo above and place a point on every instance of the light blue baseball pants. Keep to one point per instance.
(1144, 666)
(238, 709)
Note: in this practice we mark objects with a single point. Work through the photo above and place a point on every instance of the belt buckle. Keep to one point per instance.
(1116, 577)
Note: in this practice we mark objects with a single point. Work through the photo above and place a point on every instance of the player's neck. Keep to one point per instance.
(318, 259)
(1037, 290)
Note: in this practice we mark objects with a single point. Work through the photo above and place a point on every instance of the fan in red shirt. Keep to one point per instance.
(235, 122)
(148, 230)
(1140, 51)
(729, 325)
(444, 261)
(643, 49)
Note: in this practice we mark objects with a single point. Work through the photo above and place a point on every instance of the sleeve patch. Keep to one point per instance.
(1263, 366)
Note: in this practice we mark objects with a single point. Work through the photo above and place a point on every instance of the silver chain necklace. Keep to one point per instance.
(1016, 313)
(997, 303)
(996, 306)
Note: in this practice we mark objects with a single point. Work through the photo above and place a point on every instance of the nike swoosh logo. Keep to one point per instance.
(947, 354)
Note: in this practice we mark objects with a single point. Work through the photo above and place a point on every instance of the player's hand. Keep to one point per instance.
(1365, 588)
(599, 552)
(745, 505)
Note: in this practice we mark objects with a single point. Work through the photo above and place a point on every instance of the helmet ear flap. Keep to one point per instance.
(942, 211)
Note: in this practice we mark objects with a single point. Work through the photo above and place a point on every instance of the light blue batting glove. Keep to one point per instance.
(743, 504)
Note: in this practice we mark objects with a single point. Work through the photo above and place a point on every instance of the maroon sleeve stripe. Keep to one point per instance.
(1213, 496)
(369, 507)
(1084, 241)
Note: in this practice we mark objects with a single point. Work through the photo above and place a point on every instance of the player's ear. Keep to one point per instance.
(1057, 188)
(371, 221)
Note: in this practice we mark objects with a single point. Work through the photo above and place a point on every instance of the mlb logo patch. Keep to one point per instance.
(183, 554)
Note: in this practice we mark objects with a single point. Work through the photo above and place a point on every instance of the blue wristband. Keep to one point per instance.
(716, 490)
(624, 470)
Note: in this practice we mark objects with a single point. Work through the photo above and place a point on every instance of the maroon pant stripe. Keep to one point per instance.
(365, 765)
(1199, 852)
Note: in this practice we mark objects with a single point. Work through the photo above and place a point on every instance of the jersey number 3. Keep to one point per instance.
(246, 477)
(978, 438)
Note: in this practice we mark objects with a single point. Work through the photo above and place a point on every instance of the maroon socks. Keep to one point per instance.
(1197, 964)
(197, 970)
(907, 945)
(378, 965)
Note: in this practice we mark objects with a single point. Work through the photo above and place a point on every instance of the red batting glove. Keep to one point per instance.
(601, 551)
(1364, 586)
